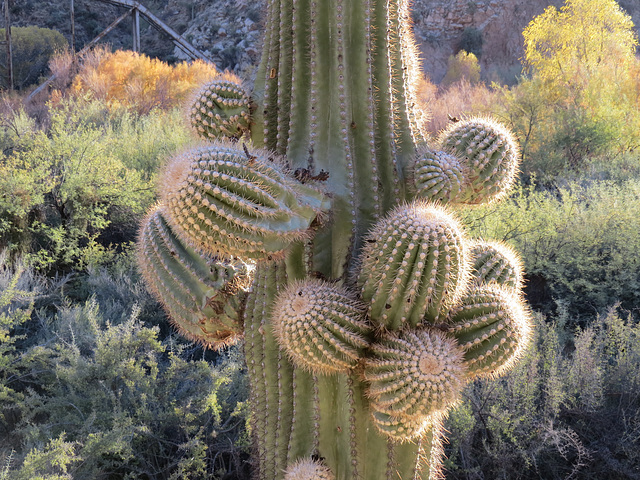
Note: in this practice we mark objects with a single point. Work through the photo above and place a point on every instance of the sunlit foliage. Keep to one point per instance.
(134, 81)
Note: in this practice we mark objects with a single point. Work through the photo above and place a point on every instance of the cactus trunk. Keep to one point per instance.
(334, 96)
(331, 86)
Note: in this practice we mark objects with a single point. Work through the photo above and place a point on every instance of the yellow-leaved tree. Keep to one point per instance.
(584, 43)
(580, 96)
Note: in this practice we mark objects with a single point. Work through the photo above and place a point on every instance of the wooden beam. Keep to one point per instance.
(81, 52)
(136, 29)
(162, 27)
(7, 30)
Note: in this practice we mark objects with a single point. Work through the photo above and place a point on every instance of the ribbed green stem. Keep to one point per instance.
(303, 432)
(270, 374)
(418, 460)
(372, 450)
(339, 71)
(299, 127)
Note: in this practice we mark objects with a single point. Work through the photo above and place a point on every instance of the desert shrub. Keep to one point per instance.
(126, 79)
(566, 134)
(458, 100)
(32, 48)
(569, 409)
(579, 243)
(463, 66)
(103, 395)
(146, 142)
(75, 189)
(15, 309)
(579, 97)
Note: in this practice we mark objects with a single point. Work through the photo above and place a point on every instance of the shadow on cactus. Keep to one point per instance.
(369, 309)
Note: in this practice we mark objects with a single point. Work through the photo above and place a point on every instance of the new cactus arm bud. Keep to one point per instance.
(320, 326)
(308, 469)
(221, 108)
(437, 176)
(203, 296)
(489, 156)
(229, 203)
(414, 374)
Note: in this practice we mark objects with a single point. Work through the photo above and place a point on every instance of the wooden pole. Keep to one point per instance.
(136, 30)
(7, 29)
(73, 30)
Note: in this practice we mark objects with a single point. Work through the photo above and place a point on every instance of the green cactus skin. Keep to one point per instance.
(496, 263)
(232, 203)
(335, 98)
(493, 326)
(489, 156)
(203, 296)
(437, 175)
(320, 326)
(414, 266)
(221, 109)
(413, 375)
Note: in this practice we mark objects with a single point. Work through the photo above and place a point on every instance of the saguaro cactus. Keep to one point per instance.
(369, 308)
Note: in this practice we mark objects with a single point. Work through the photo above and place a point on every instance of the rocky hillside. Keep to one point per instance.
(230, 31)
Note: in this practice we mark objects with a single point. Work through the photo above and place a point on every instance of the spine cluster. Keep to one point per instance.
(414, 265)
(229, 202)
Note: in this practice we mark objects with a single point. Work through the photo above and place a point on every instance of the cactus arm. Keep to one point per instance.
(271, 378)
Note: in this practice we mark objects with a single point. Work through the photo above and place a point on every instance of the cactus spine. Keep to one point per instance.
(350, 375)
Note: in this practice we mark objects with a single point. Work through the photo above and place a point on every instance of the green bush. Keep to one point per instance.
(570, 409)
(75, 190)
(463, 66)
(471, 41)
(579, 243)
(578, 99)
(32, 47)
(101, 395)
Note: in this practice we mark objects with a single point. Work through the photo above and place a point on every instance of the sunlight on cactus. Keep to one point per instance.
(369, 309)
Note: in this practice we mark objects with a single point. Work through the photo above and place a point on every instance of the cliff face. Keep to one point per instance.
(443, 27)
(230, 31)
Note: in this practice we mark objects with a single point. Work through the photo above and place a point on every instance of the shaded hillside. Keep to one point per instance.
(229, 31)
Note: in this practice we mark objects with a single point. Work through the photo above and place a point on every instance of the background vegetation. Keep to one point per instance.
(95, 385)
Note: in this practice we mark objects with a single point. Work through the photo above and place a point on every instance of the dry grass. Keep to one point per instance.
(459, 100)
